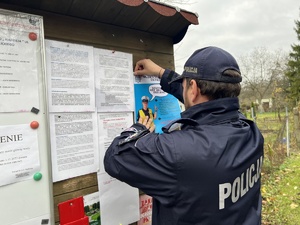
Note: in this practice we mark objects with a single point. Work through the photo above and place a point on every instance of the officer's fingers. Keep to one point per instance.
(152, 128)
(139, 68)
(145, 120)
(148, 124)
(140, 120)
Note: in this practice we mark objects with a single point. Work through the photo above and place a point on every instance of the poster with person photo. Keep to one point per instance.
(152, 101)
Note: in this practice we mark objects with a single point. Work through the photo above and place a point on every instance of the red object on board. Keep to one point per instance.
(71, 212)
(34, 124)
(32, 36)
(82, 221)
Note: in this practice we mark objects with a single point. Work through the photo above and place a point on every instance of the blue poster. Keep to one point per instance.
(152, 101)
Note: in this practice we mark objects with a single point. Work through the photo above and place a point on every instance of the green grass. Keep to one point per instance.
(281, 174)
(281, 194)
(95, 216)
(272, 127)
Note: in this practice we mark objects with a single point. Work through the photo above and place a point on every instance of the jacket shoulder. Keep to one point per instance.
(177, 124)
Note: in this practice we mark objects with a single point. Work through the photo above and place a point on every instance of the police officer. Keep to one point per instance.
(208, 172)
(146, 111)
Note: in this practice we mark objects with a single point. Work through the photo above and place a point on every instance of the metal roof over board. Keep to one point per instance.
(144, 15)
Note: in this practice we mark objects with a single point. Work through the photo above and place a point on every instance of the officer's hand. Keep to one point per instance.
(147, 123)
(148, 67)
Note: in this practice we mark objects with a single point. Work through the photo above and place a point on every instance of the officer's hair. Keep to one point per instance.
(215, 90)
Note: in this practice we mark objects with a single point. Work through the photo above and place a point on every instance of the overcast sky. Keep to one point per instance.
(239, 26)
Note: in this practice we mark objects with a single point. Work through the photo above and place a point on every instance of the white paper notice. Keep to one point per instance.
(19, 51)
(114, 81)
(70, 71)
(41, 220)
(74, 148)
(110, 125)
(19, 154)
(119, 201)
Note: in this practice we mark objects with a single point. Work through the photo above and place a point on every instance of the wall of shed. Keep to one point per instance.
(74, 30)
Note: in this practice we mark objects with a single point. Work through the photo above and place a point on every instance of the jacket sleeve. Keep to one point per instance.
(146, 164)
(174, 89)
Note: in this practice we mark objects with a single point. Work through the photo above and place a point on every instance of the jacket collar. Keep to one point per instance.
(215, 111)
(211, 112)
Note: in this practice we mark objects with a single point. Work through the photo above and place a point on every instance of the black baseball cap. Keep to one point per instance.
(209, 63)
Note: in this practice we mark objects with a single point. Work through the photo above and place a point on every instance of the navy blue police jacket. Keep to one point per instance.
(206, 173)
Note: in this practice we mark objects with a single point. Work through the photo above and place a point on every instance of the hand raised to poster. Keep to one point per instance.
(148, 123)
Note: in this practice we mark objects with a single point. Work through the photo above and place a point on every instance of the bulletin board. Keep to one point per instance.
(82, 48)
(25, 188)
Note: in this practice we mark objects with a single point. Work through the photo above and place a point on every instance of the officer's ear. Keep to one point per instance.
(194, 90)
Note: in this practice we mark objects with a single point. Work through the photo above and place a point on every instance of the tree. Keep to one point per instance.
(279, 95)
(262, 72)
(293, 70)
